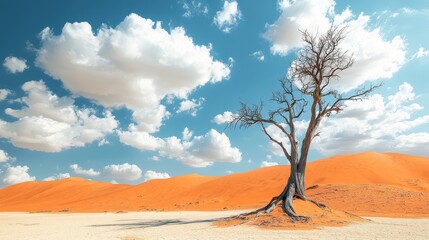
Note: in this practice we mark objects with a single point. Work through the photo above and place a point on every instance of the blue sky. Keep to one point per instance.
(128, 91)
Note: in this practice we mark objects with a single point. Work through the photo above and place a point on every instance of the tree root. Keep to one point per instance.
(320, 205)
(267, 209)
(286, 206)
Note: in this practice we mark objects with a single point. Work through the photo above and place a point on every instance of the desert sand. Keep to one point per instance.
(188, 225)
(366, 184)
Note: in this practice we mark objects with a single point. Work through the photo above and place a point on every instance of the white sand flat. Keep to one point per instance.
(187, 225)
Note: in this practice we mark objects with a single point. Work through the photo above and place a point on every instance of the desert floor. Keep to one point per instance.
(188, 225)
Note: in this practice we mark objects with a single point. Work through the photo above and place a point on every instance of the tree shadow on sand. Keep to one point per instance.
(139, 223)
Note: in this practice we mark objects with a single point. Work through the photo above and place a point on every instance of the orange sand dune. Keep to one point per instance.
(52, 195)
(371, 168)
(369, 184)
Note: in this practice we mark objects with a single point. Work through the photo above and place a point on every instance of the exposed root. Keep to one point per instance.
(302, 219)
(320, 205)
(284, 201)
(284, 216)
(289, 210)
(286, 205)
(312, 187)
(267, 209)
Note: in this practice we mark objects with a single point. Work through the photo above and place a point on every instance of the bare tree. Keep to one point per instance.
(307, 87)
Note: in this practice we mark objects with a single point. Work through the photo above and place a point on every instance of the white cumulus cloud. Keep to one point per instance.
(17, 174)
(14, 64)
(311, 15)
(268, 164)
(140, 140)
(228, 16)
(124, 171)
(225, 117)
(375, 57)
(196, 151)
(57, 177)
(134, 65)
(149, 175)
(50, 123)
(191, 106)
(376, 124)
(86, 172)
(204, 150)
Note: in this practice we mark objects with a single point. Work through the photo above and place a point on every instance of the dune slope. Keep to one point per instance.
(369, 184)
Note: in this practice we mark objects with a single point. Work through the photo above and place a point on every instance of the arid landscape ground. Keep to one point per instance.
(368, 185)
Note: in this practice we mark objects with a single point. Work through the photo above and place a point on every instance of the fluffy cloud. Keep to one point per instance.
(149, 175)
(193, 8)
(42, 102)
(190, 106)
(86, 172)
(3, 94)
(421, 53)
(149, 119)
(204, 150)
(268, 164)
(14, 64)
(57, 177)
(311, 15)
(18, 174)
(200, 151)
(225, 117)
(414, 143)
(4, 156)
(258, 55)
(50, 123)
(228, 16)
(141, 140)
(134, 65)
(376, 124)
(124, 171)
(375, 57)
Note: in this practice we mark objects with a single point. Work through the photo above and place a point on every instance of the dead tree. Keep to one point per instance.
(307, 89)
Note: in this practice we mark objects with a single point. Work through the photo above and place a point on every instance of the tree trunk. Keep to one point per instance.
(294, 188)
(300, 180)
(287, 198)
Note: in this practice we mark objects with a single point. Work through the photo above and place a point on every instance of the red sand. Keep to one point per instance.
(367, 184)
